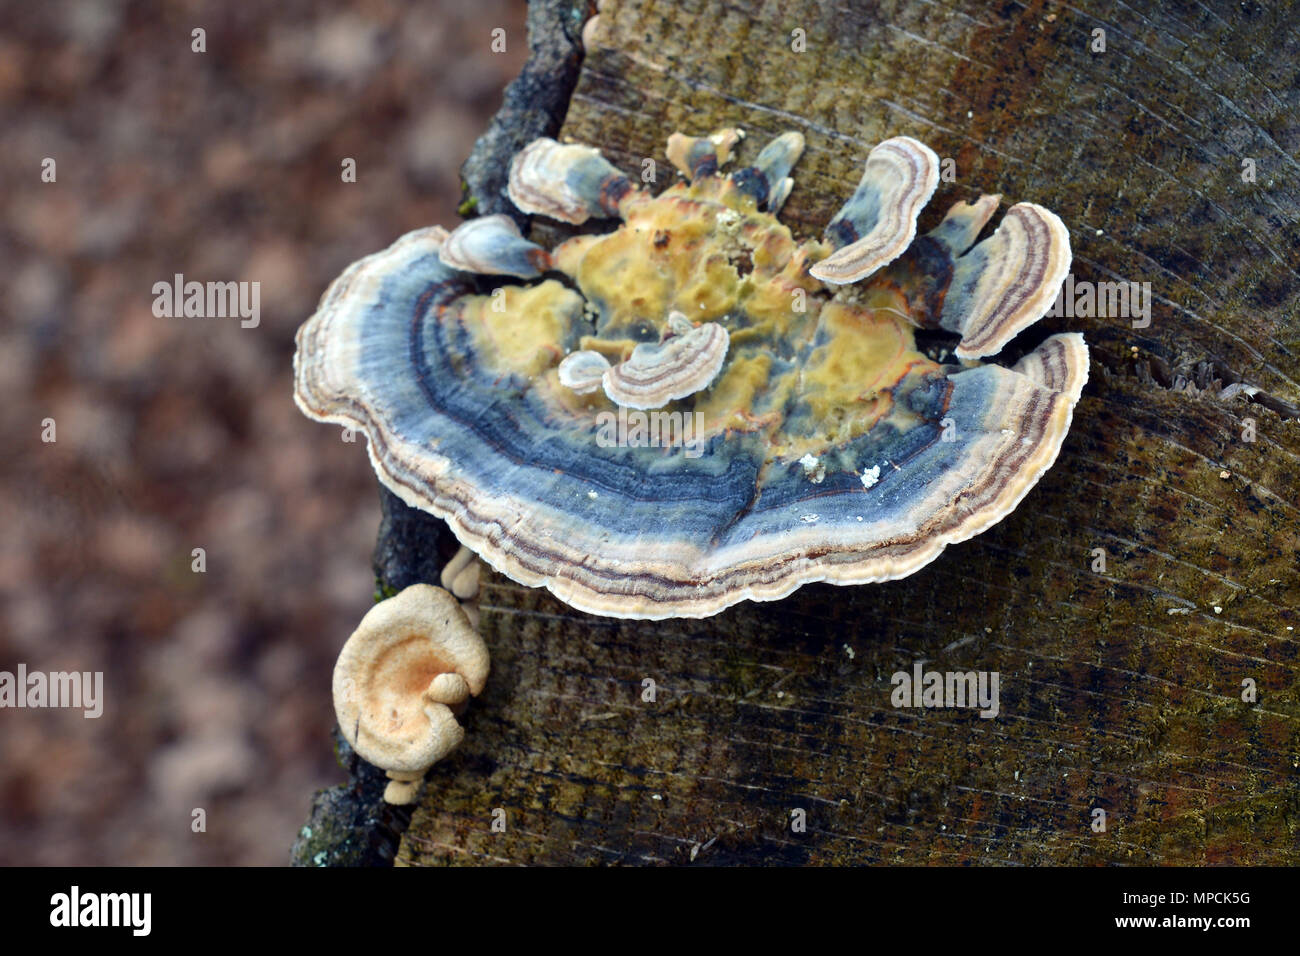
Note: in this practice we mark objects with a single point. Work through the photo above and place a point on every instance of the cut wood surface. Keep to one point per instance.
(1121, 689)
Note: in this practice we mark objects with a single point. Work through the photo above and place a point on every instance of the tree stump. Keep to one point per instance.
(1131, 602)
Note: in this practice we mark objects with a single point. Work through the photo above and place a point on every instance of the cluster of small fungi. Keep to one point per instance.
(834, 449)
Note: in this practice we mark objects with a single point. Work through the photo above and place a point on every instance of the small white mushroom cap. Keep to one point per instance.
(686, 152)
(565, 181)
(900, 176)
(678, 324)
(658, 373)
(493, 245)
(582, 371)
(465, 584)
(1008, 281)
(409, 660)
(461, 574)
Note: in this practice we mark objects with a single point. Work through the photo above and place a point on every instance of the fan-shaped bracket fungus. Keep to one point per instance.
(402, 677)
(693, 408)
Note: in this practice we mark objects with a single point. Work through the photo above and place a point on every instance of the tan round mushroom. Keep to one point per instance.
(408, 668)
(460, 576)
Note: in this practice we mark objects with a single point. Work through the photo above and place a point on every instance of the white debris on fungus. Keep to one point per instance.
(813, 468)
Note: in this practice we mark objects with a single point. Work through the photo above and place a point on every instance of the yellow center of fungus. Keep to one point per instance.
(703, 249)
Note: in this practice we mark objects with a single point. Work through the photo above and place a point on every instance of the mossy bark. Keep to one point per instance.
(1121, 688)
